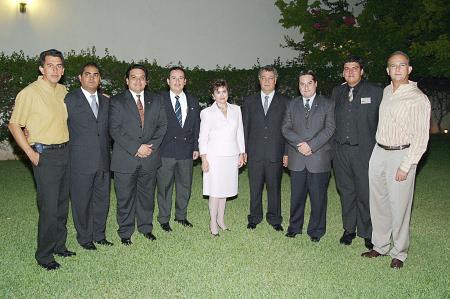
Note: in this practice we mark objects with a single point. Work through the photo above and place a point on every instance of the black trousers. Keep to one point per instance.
(352, 180)
(316, 184)
(89, 194)
(52, 188)
(135, 193)
(267, 173)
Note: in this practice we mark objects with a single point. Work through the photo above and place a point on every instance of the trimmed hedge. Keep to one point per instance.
(18, 70)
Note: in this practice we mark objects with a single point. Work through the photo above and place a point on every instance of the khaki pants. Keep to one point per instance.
(390, 202)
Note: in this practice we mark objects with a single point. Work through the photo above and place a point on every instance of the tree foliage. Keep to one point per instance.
(331, 31)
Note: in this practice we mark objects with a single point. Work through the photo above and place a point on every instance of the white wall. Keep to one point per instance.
(196, 32)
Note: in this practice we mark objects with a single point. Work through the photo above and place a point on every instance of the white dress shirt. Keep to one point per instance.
(183, 104)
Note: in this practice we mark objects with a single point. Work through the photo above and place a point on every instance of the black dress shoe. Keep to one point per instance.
(89, 246)
(278, 227)
(104, 242)
(347, 238)
(251, 225)
(126, 241)
(150, 236)
(184, 222)
(315, 239)
(396, 264)
(368, 243)
(166, 227)
(291, 234)
(53, 265)
(65, 253)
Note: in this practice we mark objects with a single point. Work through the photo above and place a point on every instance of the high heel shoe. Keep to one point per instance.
(215, 235)
(224, 228)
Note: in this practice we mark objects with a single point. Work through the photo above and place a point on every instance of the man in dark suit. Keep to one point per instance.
(357, 102)
(308, 127)
(263, 115)
(89, 158)
(178, 150)
(137, 124)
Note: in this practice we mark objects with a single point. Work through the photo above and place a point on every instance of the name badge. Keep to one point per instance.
(365, 101)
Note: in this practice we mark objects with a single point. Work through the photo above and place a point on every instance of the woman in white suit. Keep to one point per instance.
(222, 148)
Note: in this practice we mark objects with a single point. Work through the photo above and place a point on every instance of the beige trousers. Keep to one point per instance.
(390, 202)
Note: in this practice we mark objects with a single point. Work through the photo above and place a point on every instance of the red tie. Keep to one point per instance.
(140, 108)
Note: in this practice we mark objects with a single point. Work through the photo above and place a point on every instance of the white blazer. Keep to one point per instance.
(220, 135)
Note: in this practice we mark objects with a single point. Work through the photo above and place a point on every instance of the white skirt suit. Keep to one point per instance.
(221, 139)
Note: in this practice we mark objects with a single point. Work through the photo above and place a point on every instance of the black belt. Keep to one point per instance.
(39, 147)
(393, 148)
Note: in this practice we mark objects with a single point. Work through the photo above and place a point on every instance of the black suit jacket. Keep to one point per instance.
(263, 138)
(179, 142)
(316, 131)
(88, 136)
(128, 133)
(367, 118)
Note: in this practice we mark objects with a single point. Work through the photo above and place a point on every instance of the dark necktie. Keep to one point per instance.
(307, 108)
(350, 95)
(266, 104)
(178, 111)
(94, 105)
(140, 108)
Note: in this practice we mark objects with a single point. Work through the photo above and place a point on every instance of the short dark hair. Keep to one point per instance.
(216, 84)
(399, 53)
(308, 72)
(51, 52)
(268, 68)
(136, 66)
(87, 64)
(356, 59)
(176, 68)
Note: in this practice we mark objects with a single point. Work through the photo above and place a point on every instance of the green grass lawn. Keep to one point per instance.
(251, 264)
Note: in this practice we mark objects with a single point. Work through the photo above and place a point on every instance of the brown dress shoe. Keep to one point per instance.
(396, 264)
(371, 254)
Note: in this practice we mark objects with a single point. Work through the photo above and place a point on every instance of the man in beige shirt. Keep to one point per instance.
(402, 137)
(40, 108)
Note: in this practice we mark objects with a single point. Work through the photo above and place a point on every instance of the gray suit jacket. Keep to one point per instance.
(128, 134)
(88, 136)
(316, 131)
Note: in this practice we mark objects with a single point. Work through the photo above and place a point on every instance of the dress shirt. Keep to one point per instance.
(404, 118)
(269, 100)
(311, 100)
(87, 94)
(183, 104)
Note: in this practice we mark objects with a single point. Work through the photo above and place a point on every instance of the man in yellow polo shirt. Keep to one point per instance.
(40, 108)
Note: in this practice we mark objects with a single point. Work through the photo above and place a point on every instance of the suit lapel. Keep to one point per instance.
(84, 104)
(102, 108)
(190, 108)
(132, 105)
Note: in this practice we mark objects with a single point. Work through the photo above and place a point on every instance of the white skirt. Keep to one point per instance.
(222, 178)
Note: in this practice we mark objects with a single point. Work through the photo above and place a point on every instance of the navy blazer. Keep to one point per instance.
(179, 142)
(128, 133)
(89, 141)
(263, 138)
(316, 130)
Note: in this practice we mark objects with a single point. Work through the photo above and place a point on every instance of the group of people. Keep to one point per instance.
(373, 138)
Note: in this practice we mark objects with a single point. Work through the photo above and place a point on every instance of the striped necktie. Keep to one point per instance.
(178, 111)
